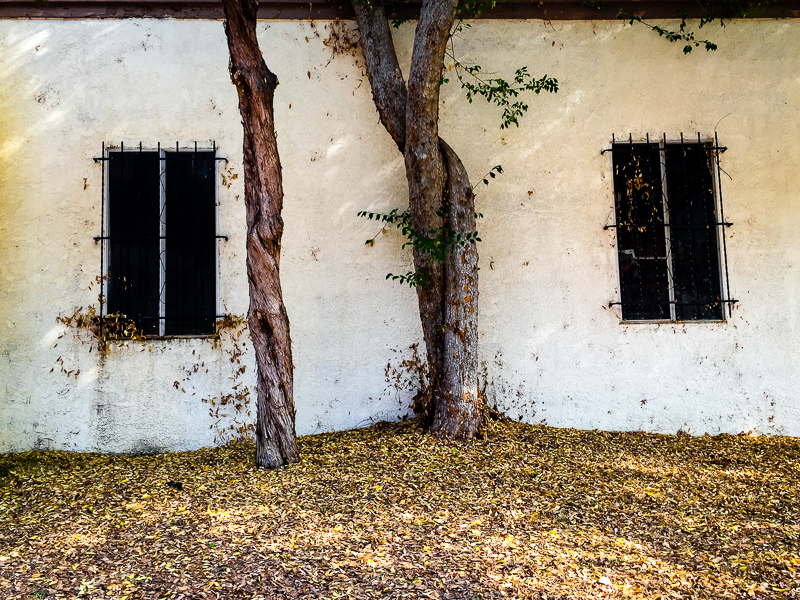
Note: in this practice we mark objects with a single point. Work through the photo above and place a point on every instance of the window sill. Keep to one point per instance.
(166, 338)
(669, 322)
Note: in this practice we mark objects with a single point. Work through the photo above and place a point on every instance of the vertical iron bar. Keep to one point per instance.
(162, 242)
(667, 230)
(711, 253)
(692, 230)
(722, 221)
(102, 234)
(198, 303)
(630, 212)
(217, 285)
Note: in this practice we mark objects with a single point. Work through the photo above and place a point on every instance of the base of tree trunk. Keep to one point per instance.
(276, 443)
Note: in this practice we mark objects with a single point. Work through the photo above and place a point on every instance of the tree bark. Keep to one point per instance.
(459, 412)
(437, 179)
(276, 443)
(391, 99)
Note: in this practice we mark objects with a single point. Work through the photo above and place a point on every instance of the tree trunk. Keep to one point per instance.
(276, 443)
(391, 99)
(437, 180)
(459, 413)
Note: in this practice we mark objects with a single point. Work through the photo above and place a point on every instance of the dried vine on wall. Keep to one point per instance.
(89, 328)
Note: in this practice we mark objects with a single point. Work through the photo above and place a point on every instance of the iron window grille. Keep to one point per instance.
(158, 241)
(671, 247)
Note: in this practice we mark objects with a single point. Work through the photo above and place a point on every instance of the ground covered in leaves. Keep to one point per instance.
(390, 512)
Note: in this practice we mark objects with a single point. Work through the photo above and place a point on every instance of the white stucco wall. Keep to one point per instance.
(553, 349)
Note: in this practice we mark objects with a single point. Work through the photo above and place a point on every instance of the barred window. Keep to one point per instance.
(160, 247)
(668, 221)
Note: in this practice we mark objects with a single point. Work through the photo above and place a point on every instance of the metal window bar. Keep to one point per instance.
(711, 150)
(662, 155)
(105, 238)
(162, 241)
(723, 225)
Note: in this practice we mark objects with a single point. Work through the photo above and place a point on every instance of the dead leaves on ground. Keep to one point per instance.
(529, 512)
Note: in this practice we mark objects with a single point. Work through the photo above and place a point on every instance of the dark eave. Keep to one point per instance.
(278, 9)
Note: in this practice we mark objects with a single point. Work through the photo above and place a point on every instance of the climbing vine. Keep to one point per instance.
(99, 331)
(718, 11)
(229, 331)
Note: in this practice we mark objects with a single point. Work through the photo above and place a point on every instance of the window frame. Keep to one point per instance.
(105, 251)
(712, 145)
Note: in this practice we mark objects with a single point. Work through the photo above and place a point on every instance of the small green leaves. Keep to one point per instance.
(723, 12)
(500, 92)
(435, 243)
(412, 278)
(493, 172)
(681, 35)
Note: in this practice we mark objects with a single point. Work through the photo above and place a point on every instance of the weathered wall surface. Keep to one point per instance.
(553, 349)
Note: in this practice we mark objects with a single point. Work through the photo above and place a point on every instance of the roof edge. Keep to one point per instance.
(324, 10)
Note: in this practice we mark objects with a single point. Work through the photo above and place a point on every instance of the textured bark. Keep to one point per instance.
(385, 76)
(391, 99)
(459, 411)
(276, 443)
(426, 174)
(448, 303)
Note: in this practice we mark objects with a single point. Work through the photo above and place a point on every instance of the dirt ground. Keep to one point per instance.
(391, 512)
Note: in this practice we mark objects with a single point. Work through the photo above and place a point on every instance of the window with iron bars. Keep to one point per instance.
(670, 230)
(159, 239)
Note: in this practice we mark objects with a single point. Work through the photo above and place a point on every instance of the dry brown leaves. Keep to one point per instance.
(529, 512)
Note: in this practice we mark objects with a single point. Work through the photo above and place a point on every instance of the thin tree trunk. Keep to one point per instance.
(448, 303)
(276, 443)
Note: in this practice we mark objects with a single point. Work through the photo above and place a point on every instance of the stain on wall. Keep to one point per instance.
(551, 348)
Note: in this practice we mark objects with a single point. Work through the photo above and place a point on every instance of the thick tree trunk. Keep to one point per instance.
(437, 178)
(459, 413)
(427, 174)
(276, 443)
(391, 99)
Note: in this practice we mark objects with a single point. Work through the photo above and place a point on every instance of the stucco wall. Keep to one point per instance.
(553, 349)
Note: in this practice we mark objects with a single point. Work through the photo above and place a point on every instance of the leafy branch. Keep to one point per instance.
(493, 172)
(681, 35)
(496, 90)
(723, 11)
(435, 242)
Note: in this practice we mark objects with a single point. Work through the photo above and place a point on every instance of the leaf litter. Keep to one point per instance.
(392, 512)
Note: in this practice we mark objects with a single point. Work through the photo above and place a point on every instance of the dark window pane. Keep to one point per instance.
(133, 230)
(693, 233)
(641, 240)
(191, 281)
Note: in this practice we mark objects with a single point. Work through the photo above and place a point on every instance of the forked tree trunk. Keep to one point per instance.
(391, 99)
(448, 304)
(276, 443)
